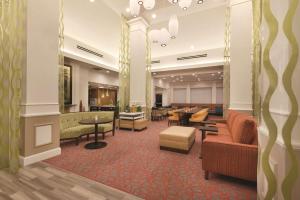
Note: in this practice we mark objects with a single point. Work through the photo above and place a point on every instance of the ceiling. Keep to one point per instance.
(191, 75)
(201, 30)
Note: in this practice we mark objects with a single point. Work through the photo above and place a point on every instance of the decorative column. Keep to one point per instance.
(240, 55)
(138, 65)
(40, 100)
(124, 66)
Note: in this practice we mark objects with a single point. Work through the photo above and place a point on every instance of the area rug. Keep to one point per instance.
(132, 162)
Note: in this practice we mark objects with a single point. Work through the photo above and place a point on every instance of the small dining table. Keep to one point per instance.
(96, 144)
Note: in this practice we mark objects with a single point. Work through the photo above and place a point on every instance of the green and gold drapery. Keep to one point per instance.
(12, 54)
(148, 77)
(226, 79)
(256, 58)
(61, 96)
(124, 66)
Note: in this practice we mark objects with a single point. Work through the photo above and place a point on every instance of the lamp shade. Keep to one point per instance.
(173, 1)
(184, 4)
(134, 8)
(154, 35)
(149, 4)
(173, 26)
(164, 37)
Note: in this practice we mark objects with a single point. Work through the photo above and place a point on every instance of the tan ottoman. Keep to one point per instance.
(177, 138)
(139, 124)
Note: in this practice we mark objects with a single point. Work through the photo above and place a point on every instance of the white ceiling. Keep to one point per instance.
(94, 24)
(97, 25)
(190, 75)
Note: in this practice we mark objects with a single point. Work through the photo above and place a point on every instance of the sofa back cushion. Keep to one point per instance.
(69, 120)
(244, 129)
(201, 114)
(231, 117)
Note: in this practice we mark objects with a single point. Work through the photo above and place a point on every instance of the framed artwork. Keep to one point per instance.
(68, 84)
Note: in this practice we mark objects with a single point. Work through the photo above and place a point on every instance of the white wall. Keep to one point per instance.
(240, 55)
(208, 85)
(82, 75)
(94, 24)
(40, 83)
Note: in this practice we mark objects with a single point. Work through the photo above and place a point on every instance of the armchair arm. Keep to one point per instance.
(231, 159)
(209, 122)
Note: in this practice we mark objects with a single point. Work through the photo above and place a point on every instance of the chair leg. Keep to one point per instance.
(78, 140)
(88, 137)
(103, 136)
(206, 175)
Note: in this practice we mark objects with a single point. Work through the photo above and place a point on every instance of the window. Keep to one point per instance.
(201, 95)
(179, 95)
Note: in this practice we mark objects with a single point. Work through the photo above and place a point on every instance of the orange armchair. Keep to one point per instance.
(199, 116)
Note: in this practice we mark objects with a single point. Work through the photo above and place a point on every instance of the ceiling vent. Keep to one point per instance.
(192, 57)
(155, 61)
(89, 51)
(98, 68)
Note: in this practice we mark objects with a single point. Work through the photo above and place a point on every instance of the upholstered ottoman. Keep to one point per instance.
(139, 124)
(177, 138)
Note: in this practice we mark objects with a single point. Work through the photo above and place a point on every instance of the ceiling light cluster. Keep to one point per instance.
(163, 36)
(185, 4)
(135, 6)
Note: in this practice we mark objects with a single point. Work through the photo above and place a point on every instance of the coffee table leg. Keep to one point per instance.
(96, 133)
(96, 144)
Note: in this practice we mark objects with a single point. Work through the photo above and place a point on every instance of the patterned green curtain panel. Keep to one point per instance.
(12, 52)
(289, 181)
(256, 58)
(148, 77)
(61, 95)
(124, 66)
(226, 80)
(272, 76)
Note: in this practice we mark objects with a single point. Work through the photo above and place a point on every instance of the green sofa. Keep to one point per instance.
(71, 129)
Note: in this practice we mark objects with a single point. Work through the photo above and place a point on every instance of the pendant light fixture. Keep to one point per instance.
(173, 1)
(134, 8)
(185, 4)
(164, 37)
(173, 26)
(149, 4)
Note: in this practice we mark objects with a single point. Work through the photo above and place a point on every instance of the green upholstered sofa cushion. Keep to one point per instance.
(70, 127)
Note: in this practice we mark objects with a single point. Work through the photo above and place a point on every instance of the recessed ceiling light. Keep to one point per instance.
(153, 16)
(92, 1)
(140, 2)
(174, 1)
(200, 1)
(163, 45)
(192, 47)
(184, 8)
(128, 10)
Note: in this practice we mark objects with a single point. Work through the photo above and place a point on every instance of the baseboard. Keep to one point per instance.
(24, 161)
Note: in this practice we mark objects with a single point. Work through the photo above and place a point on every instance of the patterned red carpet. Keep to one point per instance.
(132, 162)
